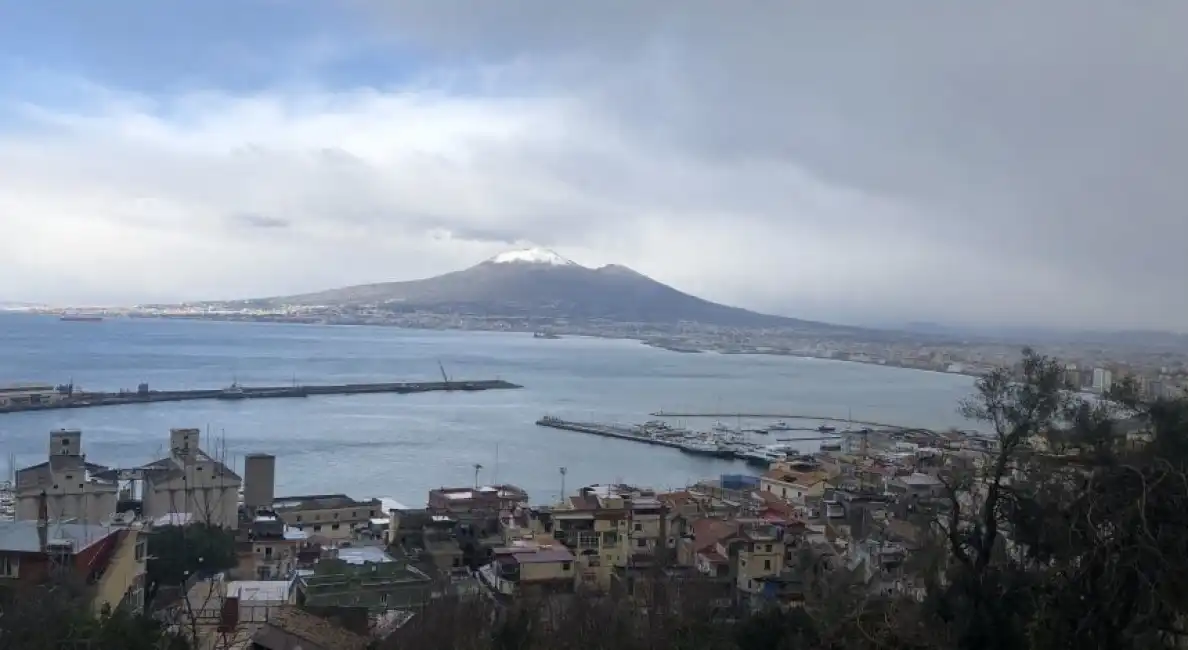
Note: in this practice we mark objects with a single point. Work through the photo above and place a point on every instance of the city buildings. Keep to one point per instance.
(330, 516)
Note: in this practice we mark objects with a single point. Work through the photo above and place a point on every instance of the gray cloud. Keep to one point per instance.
(1043, 136)
(864, 161)
(261, 221)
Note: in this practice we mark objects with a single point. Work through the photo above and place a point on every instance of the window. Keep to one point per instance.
(638, 527)
(298, 517)
(336, 515)
(69, 477)
(370, 513)
(641, 543)
(383, 599)
(767, 565)
(354, 514)
(268, 552)
(9, 566)
(768, 548)
(199, 468)
(141, 550)
(317, 528)
(334, 527)
(566, 566)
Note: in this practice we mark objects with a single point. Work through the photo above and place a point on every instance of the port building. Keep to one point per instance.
(187, 481)
(74, 489)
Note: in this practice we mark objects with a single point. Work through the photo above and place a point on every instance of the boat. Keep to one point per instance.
(779, 426)
(825, 428)
(700, 447)
(762, 457)
(718, 426)
(234, 391)
(544, 335)
(81, 318)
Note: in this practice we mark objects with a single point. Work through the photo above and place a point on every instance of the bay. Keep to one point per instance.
(403, 445)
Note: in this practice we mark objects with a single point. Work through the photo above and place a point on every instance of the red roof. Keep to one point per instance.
(708, 532)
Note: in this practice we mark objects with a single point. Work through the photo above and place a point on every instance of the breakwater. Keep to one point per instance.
(79, 399)
(606, 430)
(773, 416)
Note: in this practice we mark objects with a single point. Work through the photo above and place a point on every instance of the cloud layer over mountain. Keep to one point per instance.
(1001, 162)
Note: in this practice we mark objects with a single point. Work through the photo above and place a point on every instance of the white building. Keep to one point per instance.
(1102, 380)
(72, 487)
(190, 481)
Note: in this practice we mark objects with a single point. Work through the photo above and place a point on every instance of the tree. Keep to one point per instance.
(178, 552)
(54, 616)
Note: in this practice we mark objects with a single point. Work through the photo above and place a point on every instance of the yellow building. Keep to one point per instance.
(612, 529)
(794, 483)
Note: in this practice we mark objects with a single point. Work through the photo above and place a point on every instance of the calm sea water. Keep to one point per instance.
(403, 445)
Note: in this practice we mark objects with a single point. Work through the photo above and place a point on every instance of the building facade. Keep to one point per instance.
(73, 488)
(331, 516)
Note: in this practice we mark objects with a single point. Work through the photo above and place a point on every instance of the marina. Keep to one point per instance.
(45, 398)
(718, 443)
(776, 416)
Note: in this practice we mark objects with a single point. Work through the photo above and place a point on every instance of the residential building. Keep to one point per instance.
(375, 585)
(290, 628)
(917, 485)
(189, 480)
(110, 561)
(269, 549)
(331, 516)
(794, 482)
(612, 530)
(486, 501)
(1103, 380)
(74, 489)
(529, 568)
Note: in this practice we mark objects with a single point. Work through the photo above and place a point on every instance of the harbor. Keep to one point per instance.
(21, 399)
(773, 416)
(720, 442)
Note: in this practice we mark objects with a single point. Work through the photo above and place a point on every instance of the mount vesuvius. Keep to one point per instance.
(538, 283)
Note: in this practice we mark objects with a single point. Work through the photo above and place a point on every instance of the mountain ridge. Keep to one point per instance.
(539, 283)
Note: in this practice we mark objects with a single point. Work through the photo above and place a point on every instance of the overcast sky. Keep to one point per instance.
(1005, 162)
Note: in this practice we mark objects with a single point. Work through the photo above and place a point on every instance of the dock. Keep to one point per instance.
(80, 399)
(605, 430)
(635, 434)
(774, 416)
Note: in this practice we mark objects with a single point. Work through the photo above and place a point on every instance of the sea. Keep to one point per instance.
(401, 446)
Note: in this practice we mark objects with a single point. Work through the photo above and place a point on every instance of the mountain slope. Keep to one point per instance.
(542, 284)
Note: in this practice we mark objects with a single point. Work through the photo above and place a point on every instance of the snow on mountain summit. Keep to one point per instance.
(532, 256)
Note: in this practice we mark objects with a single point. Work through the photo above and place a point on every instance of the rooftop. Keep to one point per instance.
(531, 553)
(312, 629)
(319, 502)
(259, 590)
(363, 554)
(23, 537)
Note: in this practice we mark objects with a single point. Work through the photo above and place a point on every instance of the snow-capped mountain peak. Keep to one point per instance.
(532, 256)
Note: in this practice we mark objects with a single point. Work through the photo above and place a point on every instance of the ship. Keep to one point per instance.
(544, 335)
(81, 318)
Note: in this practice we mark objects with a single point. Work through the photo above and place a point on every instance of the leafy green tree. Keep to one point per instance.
(178, 552)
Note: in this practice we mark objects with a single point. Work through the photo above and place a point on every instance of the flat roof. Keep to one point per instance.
(259, 590)
(363, 554)
(23, 537)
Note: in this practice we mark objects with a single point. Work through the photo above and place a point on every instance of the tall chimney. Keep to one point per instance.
(43, 521)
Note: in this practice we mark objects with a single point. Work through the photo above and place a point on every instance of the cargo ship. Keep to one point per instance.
(81, 318)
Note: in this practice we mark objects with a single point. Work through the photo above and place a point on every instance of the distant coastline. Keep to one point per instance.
(669, 344)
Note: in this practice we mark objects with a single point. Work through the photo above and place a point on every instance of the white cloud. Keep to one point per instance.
(947, 167)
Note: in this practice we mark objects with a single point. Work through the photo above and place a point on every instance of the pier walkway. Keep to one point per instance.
(78, 399)
(773, 416)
